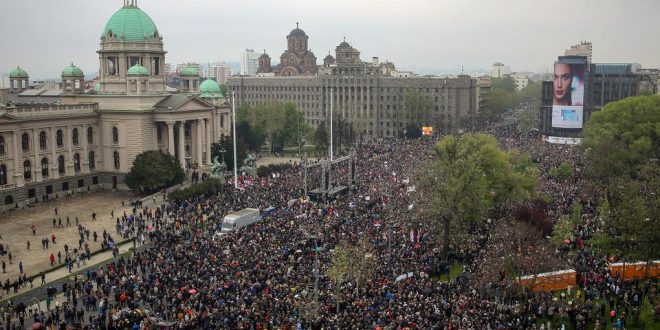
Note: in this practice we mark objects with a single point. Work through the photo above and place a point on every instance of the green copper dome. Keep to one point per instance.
(72, 71)
(189, 71)
(18, 73)
(210, 89)
(130, 24)
(97, 87)
(138, 70)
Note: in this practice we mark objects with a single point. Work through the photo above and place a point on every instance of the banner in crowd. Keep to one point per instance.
(562, 140)
(635, 270)
(552, 281)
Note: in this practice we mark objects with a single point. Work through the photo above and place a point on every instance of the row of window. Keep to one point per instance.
(59, 138)
(32, 193)
(27, 166)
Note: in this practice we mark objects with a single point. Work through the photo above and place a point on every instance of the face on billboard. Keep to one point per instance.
(568, 84)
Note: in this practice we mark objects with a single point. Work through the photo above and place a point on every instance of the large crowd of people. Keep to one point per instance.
(273, 274)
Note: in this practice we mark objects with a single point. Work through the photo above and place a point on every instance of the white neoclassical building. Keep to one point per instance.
(58, 142)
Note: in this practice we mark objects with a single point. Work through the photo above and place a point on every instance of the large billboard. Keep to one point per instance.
(568, 95)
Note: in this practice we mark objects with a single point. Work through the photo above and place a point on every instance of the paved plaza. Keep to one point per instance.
(16, 229)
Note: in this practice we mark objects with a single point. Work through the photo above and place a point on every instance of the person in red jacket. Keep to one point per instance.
(52, 259)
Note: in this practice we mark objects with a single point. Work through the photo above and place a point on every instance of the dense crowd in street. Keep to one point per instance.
(273, 274)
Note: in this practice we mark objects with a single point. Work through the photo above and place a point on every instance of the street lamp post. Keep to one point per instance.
(234, 133)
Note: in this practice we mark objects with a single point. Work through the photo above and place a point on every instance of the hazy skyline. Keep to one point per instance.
(45, 36)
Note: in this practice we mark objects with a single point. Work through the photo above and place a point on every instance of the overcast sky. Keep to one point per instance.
(43, 36)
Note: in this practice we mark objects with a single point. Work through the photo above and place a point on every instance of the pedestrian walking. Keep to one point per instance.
(28, 244)
(52, 260)
(34, 230)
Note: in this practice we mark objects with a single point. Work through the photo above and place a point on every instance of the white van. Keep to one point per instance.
(240, 219)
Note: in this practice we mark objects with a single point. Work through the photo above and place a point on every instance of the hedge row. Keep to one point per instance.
(263, 171)
(210, 186)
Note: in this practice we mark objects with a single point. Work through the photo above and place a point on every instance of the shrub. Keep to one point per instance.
(210, 186)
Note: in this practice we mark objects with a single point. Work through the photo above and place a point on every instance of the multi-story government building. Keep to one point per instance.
(371, 95)
(54, 143)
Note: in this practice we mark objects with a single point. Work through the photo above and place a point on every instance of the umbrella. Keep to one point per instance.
(192, 291)
(36, 326)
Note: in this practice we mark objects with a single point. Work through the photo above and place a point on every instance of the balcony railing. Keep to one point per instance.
(7, 186)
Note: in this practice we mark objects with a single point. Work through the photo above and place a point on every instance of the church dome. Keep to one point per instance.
(344, 44)
(209, 88)
(130, 24)
(264, 55)
(72, 71)
(297, 32)
(138, 70)
(18, 73)
(189, 71)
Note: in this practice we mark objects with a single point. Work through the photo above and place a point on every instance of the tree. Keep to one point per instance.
(506, 83)
(622, 147)
(224, 90)
(154, 169)
(352, 262)
(469, 173)
(226, 143)
(417, 108)
(321, 139)
(622, 137)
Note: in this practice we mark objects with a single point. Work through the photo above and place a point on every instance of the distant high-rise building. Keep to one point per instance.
(521, 80)
(499, 70)
(584, 48)
(4, 80)
(249, 63)
(220, 72)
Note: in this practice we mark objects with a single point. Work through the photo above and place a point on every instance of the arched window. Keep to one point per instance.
(9, 200)
(74, 136)
(90, 135)
(42, 140)
(76, 162)
(115, 135)
(115, 158)
(3, 174)
(44, 167)
(61, 168)
(25, 142)
(92, 161)
(60, 138)
(2, 145)
(27, 170)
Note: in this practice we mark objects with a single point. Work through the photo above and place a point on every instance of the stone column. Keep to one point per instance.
(18, 171)
(199, 125)
(84, 159)
(69, 158)
(170, 137)
(54, 172)
(37, 161)
(182, 146)
(208, 141)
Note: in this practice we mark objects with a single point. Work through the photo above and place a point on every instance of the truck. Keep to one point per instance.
(240, 219)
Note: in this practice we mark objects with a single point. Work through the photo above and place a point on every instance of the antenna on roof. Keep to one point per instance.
(296, 25)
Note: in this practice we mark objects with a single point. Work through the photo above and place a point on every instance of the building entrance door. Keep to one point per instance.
(114, 182)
